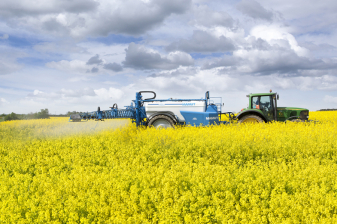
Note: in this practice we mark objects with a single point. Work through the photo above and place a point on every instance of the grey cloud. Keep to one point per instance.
(319, 47)
(8, 66)
(94, 70)
(227, 61)
(261, 58)
(54, 26)
(321, 50)
(138, 57)
(283, 60)
(95, 60)
(207, 17)
(136, 17)
(78, 6)
(90, 18)
(255, 10)
(202, 42)
(113, 67)
(21, 8)
(313, 17)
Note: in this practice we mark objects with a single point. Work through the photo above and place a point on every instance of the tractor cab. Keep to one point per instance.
(262, 107)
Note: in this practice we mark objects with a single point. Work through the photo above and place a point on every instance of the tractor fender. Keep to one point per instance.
(255, 112)
(166, 113)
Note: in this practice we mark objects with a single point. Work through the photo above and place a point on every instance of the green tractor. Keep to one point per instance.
(263, 108)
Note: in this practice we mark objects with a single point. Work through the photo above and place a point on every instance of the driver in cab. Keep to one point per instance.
(257, 104)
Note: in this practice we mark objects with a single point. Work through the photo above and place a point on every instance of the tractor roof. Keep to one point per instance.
(261, 94)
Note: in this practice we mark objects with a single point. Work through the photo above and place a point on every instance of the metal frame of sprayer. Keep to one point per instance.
(137, 112)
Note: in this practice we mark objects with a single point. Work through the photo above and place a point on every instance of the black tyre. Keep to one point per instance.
(251, 119)
(161, 121)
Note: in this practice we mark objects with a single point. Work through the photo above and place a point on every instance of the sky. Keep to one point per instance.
(76, 55)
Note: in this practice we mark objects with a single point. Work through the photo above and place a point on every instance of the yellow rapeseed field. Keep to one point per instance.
(54, 171)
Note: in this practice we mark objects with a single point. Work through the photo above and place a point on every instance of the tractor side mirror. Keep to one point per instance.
(278, 97)
(207, 95)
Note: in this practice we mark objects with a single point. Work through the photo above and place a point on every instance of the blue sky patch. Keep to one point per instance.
(33, 61)
(21, 42)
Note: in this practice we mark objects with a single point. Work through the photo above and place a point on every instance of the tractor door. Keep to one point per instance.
(267, 107)
(265, 104)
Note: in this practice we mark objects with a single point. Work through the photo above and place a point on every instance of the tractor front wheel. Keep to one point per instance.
(251, 119)
(161, 121)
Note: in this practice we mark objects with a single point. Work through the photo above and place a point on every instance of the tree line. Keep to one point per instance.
(44, 113)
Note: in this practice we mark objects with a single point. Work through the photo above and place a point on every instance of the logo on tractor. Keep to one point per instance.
(188, 104)
(211, 118)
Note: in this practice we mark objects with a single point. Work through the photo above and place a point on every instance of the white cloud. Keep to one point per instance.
(273, 33)
(3, 101)
(37, 92)
(74, 66)
(109, 94)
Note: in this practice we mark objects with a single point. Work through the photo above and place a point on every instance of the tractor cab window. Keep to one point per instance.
(267, 107)
(265, 104)
(256, 102)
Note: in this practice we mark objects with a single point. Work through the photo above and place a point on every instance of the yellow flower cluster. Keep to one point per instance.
(54, 171)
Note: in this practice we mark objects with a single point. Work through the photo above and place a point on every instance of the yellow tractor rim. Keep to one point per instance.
(250, 120)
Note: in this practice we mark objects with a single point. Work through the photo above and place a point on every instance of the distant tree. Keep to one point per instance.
(44, 113)
(12, 116)
(30, 116)
(70, 113)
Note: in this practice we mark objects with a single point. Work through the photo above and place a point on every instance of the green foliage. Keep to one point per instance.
(74, 112)
(44, 113)
(12, 116)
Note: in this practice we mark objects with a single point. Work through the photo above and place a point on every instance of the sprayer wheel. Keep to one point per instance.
(161, 121)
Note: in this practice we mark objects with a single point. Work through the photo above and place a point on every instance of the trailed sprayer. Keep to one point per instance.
(165, 112)
(196, 112)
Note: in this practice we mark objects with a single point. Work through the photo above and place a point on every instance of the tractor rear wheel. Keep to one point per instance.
(161, 121)
(251, 119)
